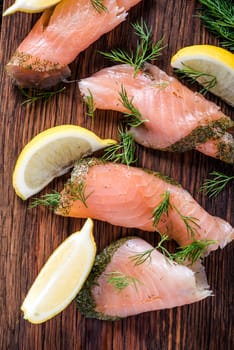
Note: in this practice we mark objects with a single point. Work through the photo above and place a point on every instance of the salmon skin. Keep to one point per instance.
(59, 36)
(117, 287)
(128, 196)
(177, 119)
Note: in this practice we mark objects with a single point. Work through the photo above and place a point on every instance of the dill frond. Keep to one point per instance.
(77, 191)
(146, 49)
(192, 252)
(141, 258)
(122, 152)
(99, 6)
(212, 187)
(191, 223)
(120, 280)
(35, 95)
(208, 80)
(161, 208)
(218, 18)
(134, 117)
(89, 102)
(119, 56)
(49, 200)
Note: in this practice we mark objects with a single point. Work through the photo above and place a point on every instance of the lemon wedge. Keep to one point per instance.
(29, 6)
(51, 154)
(214, 62)
(62, 276)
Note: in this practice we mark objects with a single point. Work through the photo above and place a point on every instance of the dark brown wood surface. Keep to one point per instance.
(28, 237)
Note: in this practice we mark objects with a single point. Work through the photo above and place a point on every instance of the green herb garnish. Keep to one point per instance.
(74, 191)
(140, 258)
(134, 117)
(89, 102)
(77, 191)
(212, 187)
(161, 85)
(218, 18)
(49, 200)
(35, 95)
(208, 80)
(99, 5)
(120, 280)
(161, 208)
(192, 251)
(190, 222)
(122, 152)
(146, 50)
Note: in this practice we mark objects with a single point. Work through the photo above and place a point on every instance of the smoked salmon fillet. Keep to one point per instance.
(117, 287)
(59, 36)
(131, 197)
(176, 118)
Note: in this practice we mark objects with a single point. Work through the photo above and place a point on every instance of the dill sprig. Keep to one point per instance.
(35, 95)
(74, 191)
(120, 56)
(49, 200)
(140, 258)
(134, 116)
(192, 252)
(208, 81)
(218, 18)
(122, 152)
(120, 280)
(89, 102)
(212, 187)
(161, 85)
(161, 208)
(77, 191)
(191, 223)
(146, 49)
(99, 5)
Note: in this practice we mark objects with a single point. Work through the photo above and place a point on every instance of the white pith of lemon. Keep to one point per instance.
(62, 276)
(51, 154)
(29, 6)
(211, 60)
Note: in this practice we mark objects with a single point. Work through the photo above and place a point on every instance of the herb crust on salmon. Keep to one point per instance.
(174, 118)
(117, 287)
(57, 38)
(132, 197)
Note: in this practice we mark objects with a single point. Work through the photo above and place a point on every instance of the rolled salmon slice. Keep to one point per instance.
(59, 36)
(117, 287)
(128, 196)
(176, 118)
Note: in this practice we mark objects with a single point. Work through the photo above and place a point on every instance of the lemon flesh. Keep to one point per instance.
(62, 277)
(51, 154)
(211, 60)
(29, 6)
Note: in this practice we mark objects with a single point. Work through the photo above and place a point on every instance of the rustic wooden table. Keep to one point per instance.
(28, 237)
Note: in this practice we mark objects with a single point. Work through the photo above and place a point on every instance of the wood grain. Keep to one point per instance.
(28, 237)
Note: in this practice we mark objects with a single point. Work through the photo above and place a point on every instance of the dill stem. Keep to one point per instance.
(49, 200)
(212, 187)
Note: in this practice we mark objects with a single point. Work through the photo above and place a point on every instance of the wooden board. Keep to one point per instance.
(28, 237)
